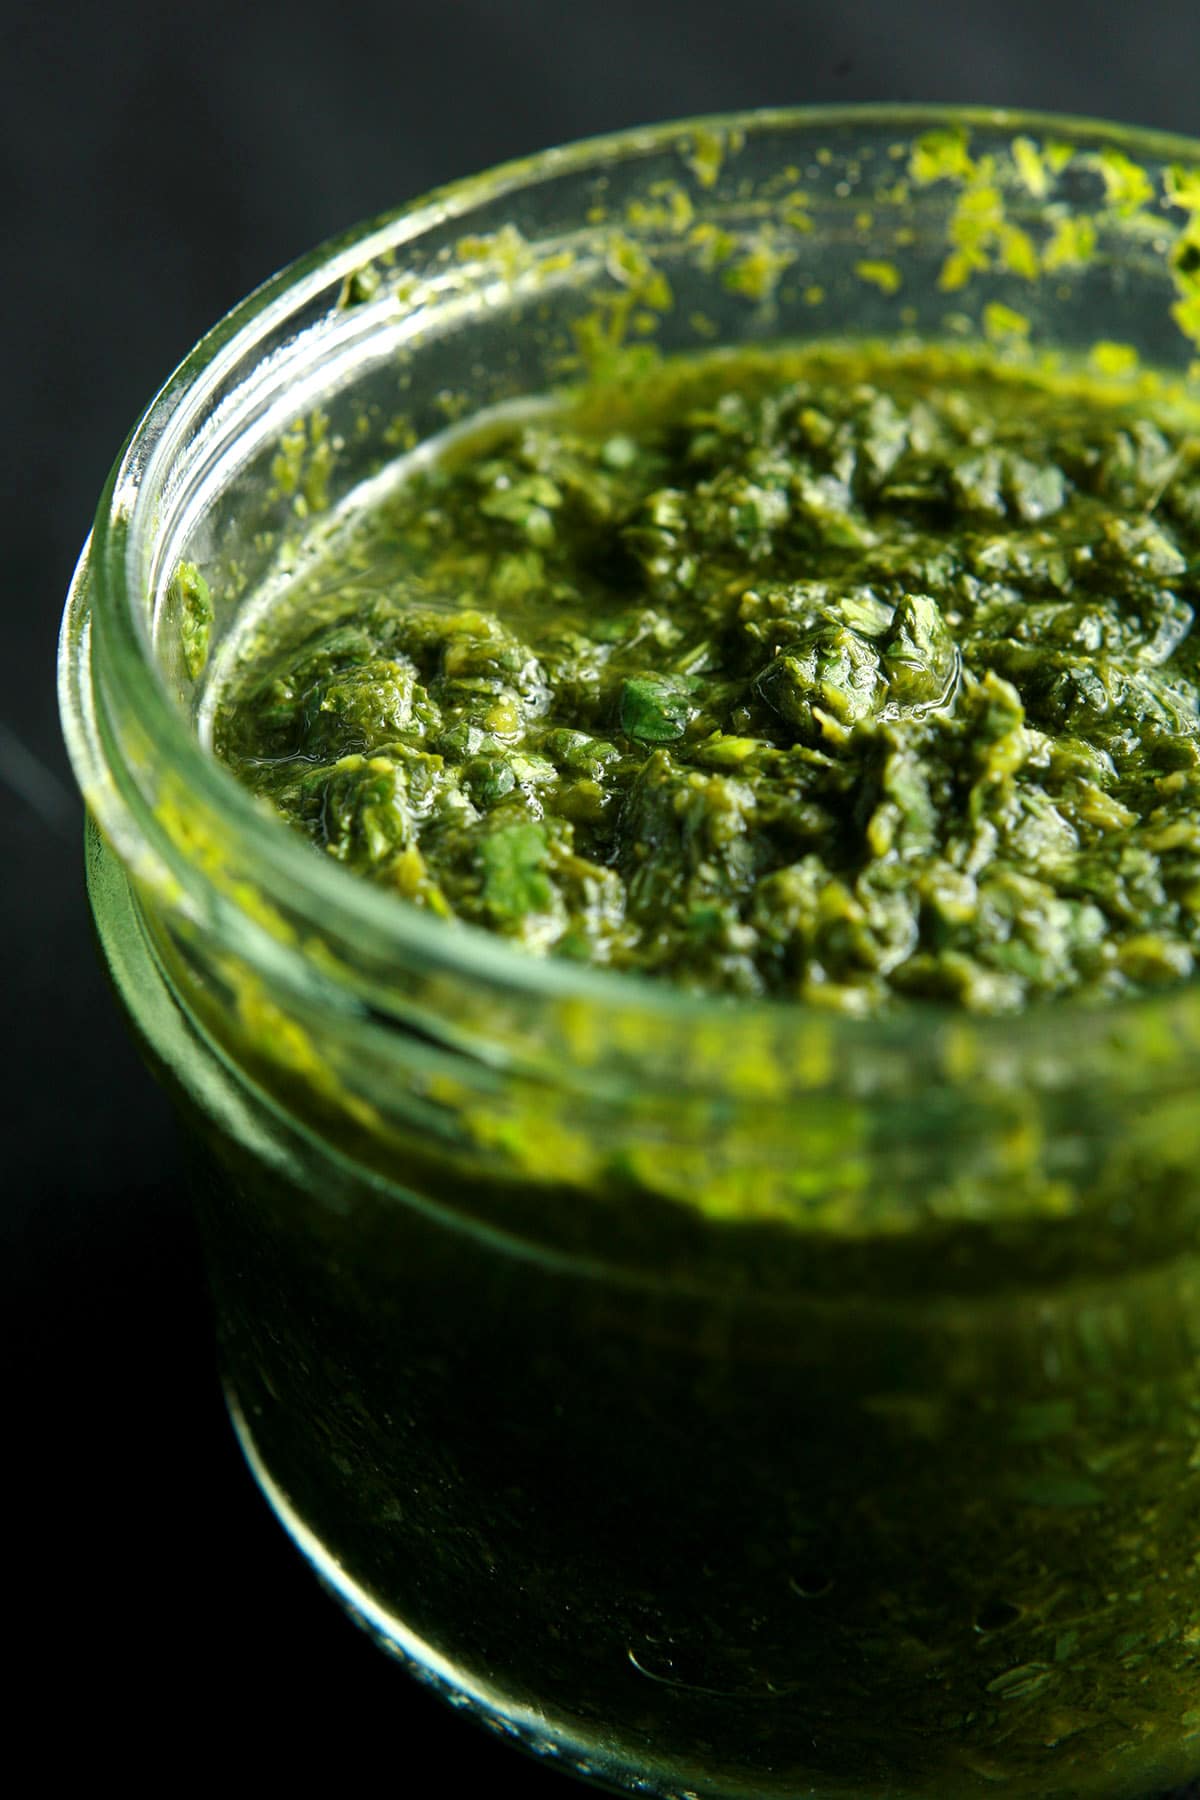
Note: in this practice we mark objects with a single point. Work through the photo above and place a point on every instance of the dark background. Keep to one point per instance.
(157, 163)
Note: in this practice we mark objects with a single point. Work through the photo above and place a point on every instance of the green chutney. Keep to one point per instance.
(851, 676)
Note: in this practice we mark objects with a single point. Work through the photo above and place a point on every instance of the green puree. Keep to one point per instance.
(846, 675)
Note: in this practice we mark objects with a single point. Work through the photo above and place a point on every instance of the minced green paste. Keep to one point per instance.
(843, 675)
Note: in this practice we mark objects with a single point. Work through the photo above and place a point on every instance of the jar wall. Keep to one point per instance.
(754, 1558)
(863, 1544)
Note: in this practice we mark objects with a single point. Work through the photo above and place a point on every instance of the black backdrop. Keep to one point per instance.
(156, 163)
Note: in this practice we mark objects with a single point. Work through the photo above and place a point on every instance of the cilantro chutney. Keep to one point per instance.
(850, 675)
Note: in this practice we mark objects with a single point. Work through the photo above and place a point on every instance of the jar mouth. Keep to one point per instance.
(109, 669)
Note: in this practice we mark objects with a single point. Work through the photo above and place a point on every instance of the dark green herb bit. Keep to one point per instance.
(515, 881)
(657, 708)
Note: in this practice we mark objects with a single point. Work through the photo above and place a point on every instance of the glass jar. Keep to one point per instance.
(726, 1398)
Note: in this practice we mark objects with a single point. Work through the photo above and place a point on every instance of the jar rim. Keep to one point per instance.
(105, 635)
